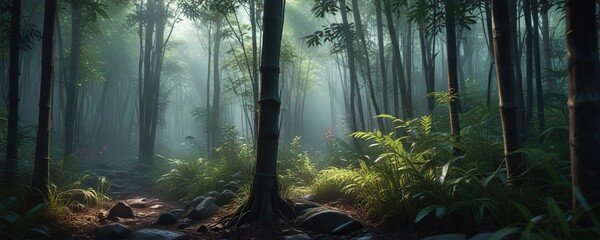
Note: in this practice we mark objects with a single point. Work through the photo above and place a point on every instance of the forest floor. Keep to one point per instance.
(84, 224)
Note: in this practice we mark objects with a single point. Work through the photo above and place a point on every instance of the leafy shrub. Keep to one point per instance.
(188, 178)
(294, 165)
(331, 182)
(191, 178)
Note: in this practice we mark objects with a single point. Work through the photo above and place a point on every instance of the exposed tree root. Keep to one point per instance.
(264, 206)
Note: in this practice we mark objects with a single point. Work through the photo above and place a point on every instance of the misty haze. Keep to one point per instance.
(299, 119)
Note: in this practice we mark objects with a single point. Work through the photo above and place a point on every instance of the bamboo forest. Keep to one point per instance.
(299, 119)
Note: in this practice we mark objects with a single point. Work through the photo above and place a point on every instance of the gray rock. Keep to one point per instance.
(213, 194)
(301, 236)
(167, 219)
(113, 231)
(202, 229)
(232, 186)
(226, 197)
(347, 228)
(482, 236)
(177, 212)
(121, 210)
(367, 236)
(300, 205)
(194, 203)
(447, 237)
(157, 234)
(205, 209)
(324, 220)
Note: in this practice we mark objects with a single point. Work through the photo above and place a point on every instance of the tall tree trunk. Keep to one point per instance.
(216, 102)
(552, 86)
(528, 62)
(146, 146)
(538, 67)
(352, 68)
(157, 71)
(367, 64)
(381, 47)
(506, 87)
(71, 85)
(429, 79)
(584, 98)
(452, 69)
(41, 169)
(516, 54)
(154, 49)
(12, 148)
(490, 36)
(407, 106)
(408, 48)
(264, 204)
(208, 108)
(253, 24)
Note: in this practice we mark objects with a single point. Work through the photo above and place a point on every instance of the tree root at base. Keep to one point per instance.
(264, 206)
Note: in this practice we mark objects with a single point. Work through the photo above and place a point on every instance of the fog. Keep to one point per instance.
(314, 81)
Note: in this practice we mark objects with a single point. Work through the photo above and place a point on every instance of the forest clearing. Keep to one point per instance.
(299, 119)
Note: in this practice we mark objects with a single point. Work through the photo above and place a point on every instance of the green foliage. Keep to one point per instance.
(15, 226)
(190, 178)
(339, 152)
(334, 34)
(554, 223)
(331, 182)
(432, 14)
(294, 165)
(58, 199)
(414, 177)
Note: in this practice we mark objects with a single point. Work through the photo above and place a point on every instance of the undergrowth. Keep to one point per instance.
(411, 176)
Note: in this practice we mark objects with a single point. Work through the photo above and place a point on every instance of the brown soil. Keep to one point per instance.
(83, 225)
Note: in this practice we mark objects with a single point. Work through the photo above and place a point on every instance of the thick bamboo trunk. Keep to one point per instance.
(12, 153)
(452, 69)
(506, 87)
(584, 98)
(264, 204)
(41, 171)
(537, 62)
(528, 63)
(71, 85)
